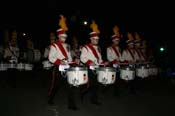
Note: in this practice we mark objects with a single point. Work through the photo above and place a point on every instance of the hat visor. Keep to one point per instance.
(62, 35)
(130, 43)
(116, 39)
(94, 38)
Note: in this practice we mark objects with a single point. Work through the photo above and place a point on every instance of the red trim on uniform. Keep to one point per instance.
(115, 50)
(93, 50)
(132, 55)
(57, 62)
(114, 61)
(144, 56)
(59, 44)
(88, 62)
(103, 62)
(138, 52)
(52, 83)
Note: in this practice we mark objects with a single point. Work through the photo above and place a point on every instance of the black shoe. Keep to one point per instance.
(74, 108)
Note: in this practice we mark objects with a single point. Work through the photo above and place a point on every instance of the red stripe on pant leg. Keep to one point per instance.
(52, 82)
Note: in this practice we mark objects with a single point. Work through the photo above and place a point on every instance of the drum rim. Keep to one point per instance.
(142, 67)
(106, 69)
(127, 68)
(77, 68)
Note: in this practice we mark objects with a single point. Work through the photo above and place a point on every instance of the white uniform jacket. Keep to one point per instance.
(91, 53)
(114, 54)
(128, 55)
(58, 52)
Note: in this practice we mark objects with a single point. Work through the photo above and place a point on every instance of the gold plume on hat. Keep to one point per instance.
(116, 30)
(137, 36)
(62, 23)
(94, 27)
(130, 36)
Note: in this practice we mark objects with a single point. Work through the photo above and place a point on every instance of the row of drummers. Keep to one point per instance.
(13, 58)
(131, 62)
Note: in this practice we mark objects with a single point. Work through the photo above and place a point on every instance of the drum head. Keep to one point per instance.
(106, 69)
(77, 68)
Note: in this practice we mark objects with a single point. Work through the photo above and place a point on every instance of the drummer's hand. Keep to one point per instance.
(92, 64)
(77, 61)
(63, 63)
(106, 63)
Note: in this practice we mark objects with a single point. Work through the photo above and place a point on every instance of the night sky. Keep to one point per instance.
(153, 19)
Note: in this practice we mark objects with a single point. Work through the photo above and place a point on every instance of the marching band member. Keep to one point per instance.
(47, 49)
(114, 54)
(75, 48)
(11, 56)
(47, 65)
(143, 49)
(128, 57)
(60, 55)
(91, 56)
(128, 53)
(139, 56)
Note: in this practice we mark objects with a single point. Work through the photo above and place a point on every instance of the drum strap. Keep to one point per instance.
(115, 50)
(132, 55)
(93, 50)
(138, 52)
(59, 44)
(143, 54)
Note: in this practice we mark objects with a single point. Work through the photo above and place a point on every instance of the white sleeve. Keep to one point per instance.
(52, 54)
(109, 55)
(84, 54)
(46, 53)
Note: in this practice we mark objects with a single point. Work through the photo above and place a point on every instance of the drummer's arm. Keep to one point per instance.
(123, 58)
(110, 57)
(84, 57)
(52, 56)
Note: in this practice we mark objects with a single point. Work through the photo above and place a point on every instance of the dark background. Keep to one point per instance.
(153, 19)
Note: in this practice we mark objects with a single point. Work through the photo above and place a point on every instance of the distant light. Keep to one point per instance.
(162, 49)
(85, 22)
(24, 34)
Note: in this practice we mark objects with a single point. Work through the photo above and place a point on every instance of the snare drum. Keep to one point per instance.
(77, 75)
(106, 75)
(142, 71)
(47, 65)
(20, 66)
(12, 66)
(153, 70)
(3, 67)
(28, 67)
(127, 73)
